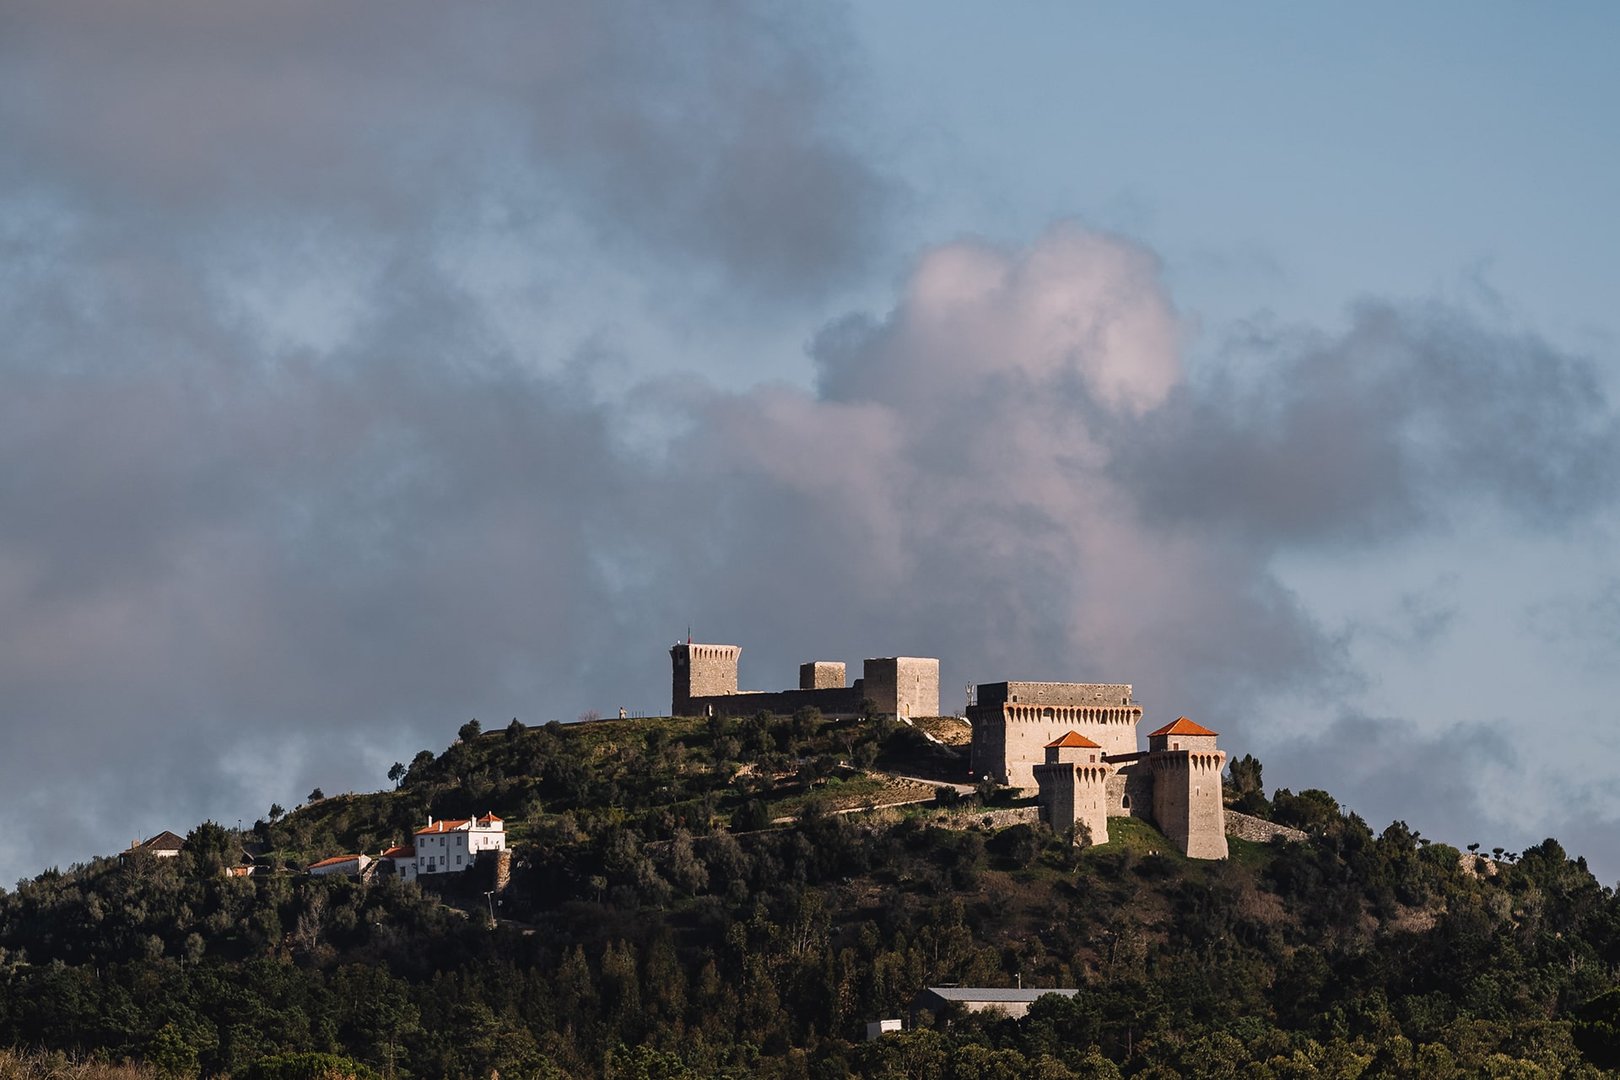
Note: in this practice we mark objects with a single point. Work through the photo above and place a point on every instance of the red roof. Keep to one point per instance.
(442, 827)
(1181, 726)
(334, 860)
(1072, 739)
(460, 823)
(399, 852)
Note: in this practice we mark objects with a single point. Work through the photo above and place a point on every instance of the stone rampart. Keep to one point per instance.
(1259, 830)
(835, 701)
(1053, 693)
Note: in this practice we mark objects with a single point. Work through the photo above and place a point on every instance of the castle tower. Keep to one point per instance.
(1187, 806)
(700, 671)
(902, 685)
(1073, 783)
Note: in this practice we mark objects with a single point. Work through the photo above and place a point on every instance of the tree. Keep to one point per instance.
(397, 773)
(469, 731)
(1247, 784)
(276, 810)
(316, 796)
(209, 849)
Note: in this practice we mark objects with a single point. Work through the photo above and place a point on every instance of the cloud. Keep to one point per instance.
(1308, 439)
(715, 137)
(286, 499)
(1586, 627)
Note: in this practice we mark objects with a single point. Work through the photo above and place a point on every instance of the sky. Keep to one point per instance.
(367, 369)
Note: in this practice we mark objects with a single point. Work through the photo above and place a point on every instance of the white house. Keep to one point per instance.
(346, 865)
(399, 862)
(449, 847)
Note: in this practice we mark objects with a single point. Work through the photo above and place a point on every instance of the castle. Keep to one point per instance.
(1073, 744)
(705, 684)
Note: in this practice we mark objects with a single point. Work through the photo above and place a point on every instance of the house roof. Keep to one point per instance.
(163, 841)
(1182, 726)
(443, 827)
(399, 851)
(334, 860)
(455, 824)
(1073, 738)
(997, 993)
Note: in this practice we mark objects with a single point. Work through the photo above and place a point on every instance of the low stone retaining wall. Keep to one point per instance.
(967, 817)
(1259, 830)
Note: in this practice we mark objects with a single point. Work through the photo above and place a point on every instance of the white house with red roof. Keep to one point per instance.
(452, 846)
(343, 865)
(398, 862)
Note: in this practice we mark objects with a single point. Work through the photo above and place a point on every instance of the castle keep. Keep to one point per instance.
(705, 684)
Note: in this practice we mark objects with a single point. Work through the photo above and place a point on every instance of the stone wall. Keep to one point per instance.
(1053, 693)
(839, 701)
(1261, 831)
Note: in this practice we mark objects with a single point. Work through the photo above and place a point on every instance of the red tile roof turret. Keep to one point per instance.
(1182, 726)
(1073, 739)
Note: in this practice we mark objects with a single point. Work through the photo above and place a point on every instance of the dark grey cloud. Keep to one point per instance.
(1377, 431)
(1459, 783)
(1387, 768)
(714, 135)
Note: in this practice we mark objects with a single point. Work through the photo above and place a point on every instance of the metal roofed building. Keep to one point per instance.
(1011, 1000)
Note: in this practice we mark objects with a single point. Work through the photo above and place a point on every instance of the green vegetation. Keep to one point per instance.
(658, 925)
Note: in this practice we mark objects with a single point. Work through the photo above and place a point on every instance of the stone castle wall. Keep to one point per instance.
(1053, 693)
(836, 701)
(704, 682)
(1130, 789)
(1259, 830)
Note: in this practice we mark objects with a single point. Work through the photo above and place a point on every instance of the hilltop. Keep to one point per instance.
(694, 897)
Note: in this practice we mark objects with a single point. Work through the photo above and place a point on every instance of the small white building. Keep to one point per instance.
(398, 862)
(346, 865)
(450, 847)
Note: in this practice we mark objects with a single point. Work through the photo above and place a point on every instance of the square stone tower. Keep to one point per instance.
(701, 671)
(1187, 806)
(822, 675)
(1073, 783)
(902, 685)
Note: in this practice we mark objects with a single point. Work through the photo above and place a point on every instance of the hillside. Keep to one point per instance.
(689, 898)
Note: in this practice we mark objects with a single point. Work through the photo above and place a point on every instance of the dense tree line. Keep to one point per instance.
(653, 929)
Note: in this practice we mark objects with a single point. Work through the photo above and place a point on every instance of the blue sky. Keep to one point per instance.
(369, 370)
